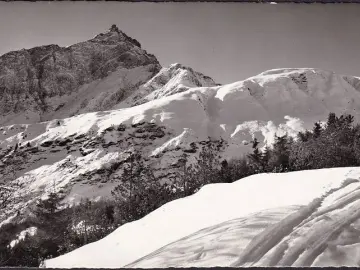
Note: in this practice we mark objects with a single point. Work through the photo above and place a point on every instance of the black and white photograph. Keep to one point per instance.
(179, 134)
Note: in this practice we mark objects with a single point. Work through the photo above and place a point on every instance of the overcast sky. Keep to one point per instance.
(227, 41)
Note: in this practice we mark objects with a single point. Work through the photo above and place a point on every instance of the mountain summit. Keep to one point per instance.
(35, 83)
(113, 36)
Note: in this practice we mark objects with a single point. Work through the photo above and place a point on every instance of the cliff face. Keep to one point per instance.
(36, 82)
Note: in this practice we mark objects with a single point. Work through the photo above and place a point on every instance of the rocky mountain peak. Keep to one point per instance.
(35, 82)
(114, 28)
(114, 36)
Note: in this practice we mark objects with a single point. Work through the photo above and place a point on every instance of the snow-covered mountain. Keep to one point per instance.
(73, 134)
(77, 155)
(306, 218)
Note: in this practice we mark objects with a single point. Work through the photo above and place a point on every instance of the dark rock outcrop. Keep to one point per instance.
(30, 79)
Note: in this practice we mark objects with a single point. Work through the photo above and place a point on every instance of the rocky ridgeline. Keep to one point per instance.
(31, 79)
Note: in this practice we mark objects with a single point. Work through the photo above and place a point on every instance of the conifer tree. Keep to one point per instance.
(109, 213)
(280, 156)
(131, 179)
(331, 121)
(317, 130)
(255, 156)
(265, 158)
(225, 172)
(305, 136)
(208, 165)
(186, 176)
(49, 214)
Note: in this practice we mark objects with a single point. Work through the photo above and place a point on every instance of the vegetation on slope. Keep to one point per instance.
(61, 229)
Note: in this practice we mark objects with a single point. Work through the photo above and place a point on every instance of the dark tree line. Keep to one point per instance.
(60, 229)
(333, 144)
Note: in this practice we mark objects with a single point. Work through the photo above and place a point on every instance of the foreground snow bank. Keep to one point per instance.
(212, 205)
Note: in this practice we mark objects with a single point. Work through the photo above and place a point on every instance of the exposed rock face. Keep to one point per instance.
(33, 81)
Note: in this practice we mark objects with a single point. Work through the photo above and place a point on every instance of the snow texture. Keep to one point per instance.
(306, 218)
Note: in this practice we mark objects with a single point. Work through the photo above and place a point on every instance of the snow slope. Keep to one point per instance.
(286, 101)
(102, 94)
(304, 218)
(80, 150)
(171, 80)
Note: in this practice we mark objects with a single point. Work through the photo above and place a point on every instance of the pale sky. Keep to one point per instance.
(226, 41)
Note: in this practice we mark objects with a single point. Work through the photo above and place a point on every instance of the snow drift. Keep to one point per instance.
(306, 218)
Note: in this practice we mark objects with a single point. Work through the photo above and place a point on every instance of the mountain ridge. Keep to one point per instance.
(31, 80)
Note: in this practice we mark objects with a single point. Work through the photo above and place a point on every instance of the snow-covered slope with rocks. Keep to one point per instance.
(311, 218)
(36, 83)
(170, 80)
(81, 155)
